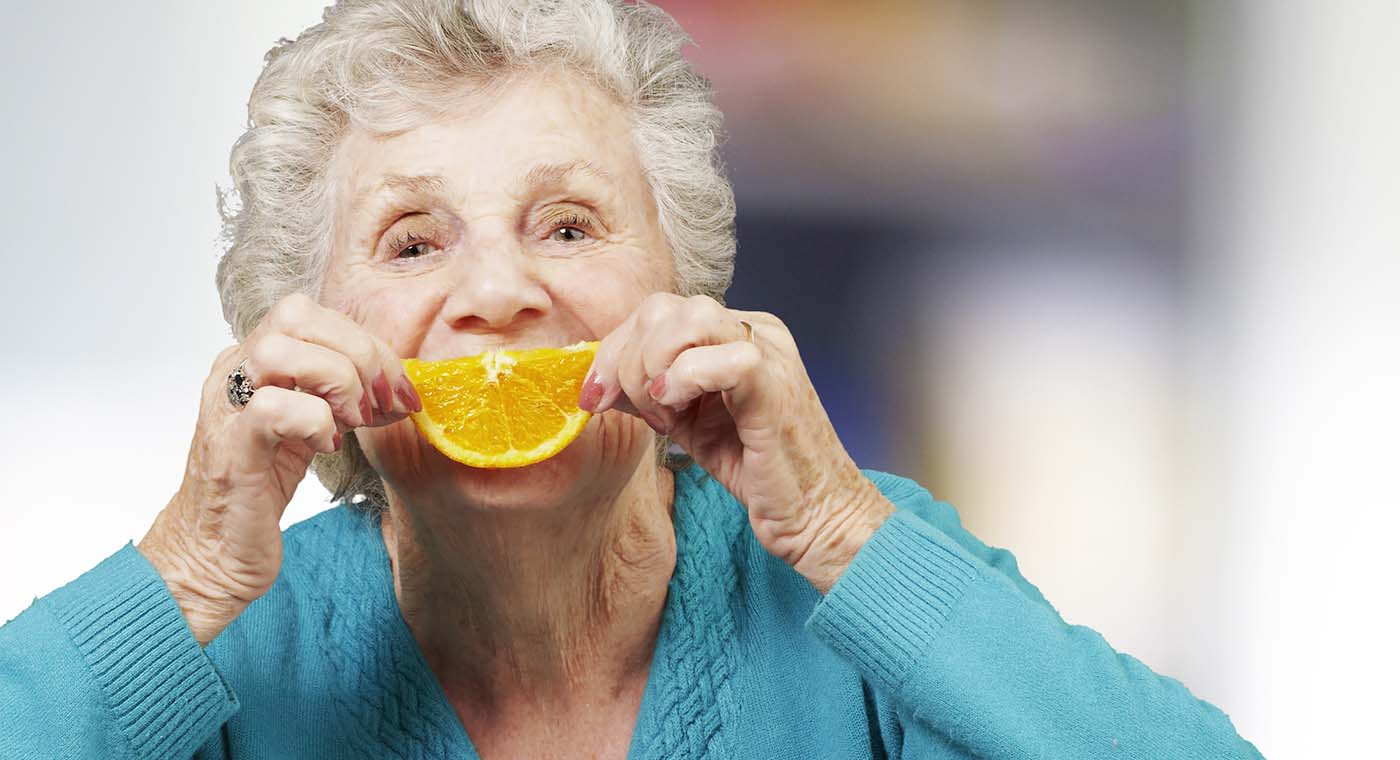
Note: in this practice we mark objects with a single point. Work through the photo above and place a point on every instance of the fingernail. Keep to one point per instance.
(408, 395)
(382, 395)
(654, 422)
(335, 440)
(366, 413)
(658, 386)
(591, 394)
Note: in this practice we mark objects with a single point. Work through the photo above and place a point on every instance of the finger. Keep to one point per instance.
(731, 368)
(689, 323)
(380, 369)
(631, 376)
(601, 389)
(698, 321)
(701, 322)
(276, 415)
(657, 319)
(276, 359)
(622, 404)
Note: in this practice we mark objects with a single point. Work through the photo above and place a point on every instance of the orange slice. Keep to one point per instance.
(502, 408)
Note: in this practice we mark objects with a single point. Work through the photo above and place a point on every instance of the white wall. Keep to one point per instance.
(1298, 360)
(118, 120)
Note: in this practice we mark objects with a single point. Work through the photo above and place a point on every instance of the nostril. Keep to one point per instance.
(481, 322)
(470, 323)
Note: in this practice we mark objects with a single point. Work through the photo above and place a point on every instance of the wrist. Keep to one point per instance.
(841, 535)
(206, 608)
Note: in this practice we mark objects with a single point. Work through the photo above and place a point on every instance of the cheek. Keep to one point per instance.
(398, 313)
(394, 450)
(616, 441)
(601, 294)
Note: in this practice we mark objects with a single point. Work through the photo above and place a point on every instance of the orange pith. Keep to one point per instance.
(502, 408)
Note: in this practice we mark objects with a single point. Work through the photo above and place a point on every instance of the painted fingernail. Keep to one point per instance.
(404, 390)
(335, 440)
(654, 422)
(366, 413)
(658, 386)
(383, 397)
(591, 394)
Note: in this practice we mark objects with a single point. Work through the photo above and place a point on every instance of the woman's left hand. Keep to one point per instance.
(744, 409)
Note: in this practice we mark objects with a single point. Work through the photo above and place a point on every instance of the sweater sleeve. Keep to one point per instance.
(105, 667)
(971, 654)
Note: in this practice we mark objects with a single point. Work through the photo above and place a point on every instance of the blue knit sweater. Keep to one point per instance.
(931, 645)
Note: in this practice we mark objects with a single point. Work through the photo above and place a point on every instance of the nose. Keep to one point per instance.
(495, 288)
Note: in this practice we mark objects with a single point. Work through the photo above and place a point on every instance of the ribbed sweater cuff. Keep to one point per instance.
(164, 692)
(890, 604)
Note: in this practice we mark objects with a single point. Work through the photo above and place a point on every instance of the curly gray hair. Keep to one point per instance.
(372, 64)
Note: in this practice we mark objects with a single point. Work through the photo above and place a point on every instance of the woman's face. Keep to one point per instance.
(519, 219)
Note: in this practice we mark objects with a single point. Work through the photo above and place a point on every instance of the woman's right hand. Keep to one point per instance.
(317, 373)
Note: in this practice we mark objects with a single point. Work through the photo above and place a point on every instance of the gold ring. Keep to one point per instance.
(748, 330)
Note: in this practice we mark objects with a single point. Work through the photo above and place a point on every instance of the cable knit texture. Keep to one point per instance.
(689, 686)
(931, 645)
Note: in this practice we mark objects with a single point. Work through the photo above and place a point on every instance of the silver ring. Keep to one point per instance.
(240, 388)
(748, 330)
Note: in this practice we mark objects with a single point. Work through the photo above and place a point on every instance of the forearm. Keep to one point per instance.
(965, 652)
(105, 667)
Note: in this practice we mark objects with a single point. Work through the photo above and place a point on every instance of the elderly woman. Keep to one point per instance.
(425, 180)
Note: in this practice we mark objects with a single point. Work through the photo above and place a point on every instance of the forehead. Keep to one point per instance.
(497, 137)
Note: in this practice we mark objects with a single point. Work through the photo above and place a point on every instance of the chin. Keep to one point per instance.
(538, 486)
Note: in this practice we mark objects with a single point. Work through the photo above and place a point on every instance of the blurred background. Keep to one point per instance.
(1119, 280)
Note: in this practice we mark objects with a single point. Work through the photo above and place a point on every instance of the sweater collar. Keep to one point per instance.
(400, 710)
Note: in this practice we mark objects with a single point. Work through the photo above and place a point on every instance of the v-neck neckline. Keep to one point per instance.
(687, 708)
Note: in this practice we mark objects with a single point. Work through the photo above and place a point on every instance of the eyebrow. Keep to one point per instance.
(416, 183)
(544, 175)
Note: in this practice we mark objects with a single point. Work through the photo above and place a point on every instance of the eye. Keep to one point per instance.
(411, 245)
(414, 250)
(568, 234)
(571, 226)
